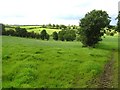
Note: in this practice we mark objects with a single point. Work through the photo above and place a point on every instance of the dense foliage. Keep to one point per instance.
(68, 35)
(92, 25)
(65, 34)
(22, 32)
(55, 35)
(44, 35)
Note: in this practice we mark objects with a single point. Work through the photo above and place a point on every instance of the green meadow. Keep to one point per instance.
(34, 63)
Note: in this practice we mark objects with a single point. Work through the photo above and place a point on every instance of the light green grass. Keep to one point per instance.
(38, 30)
(110, 42)
(115, 71)
(30, 26)
(54, 64)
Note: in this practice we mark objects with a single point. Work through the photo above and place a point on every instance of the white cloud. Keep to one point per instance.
(52, 11)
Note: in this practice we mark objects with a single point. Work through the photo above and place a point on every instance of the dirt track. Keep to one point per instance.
(106, 77)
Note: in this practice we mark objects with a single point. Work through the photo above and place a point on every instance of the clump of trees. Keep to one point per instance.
(44, 35)
(21, 32)
(65, 34)
(92, 27)
(68, 35)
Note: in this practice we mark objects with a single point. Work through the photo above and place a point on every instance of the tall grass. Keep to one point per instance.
(53, 64)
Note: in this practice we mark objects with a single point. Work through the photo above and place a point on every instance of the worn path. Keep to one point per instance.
(106, 77)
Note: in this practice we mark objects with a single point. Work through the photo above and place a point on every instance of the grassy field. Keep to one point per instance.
(54, 64)
(36, 29)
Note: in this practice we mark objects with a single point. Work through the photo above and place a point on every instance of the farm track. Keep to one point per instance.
(107, 75)
(104, 81)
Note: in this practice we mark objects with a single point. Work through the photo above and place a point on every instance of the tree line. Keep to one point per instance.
(92, 28)
(56, 26)
(68, 35)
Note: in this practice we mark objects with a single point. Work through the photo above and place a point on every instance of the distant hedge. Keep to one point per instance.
(22, 32)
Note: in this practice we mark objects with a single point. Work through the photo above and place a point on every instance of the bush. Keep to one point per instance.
(61, 35)
(44, 35)
(10, 32)
(21, 32)
(55, 35)
(111, 34)
(70, 35)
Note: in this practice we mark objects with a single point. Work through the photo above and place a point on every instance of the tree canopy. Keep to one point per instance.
(91, 27)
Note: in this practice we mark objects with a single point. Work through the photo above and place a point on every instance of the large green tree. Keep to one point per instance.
(91, 26)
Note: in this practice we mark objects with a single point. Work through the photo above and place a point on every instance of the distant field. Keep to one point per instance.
(36, 29)
(55, 64)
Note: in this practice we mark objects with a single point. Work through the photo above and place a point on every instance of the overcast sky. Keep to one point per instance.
(53, 11)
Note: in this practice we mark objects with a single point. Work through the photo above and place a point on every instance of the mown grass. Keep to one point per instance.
(53, 64)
